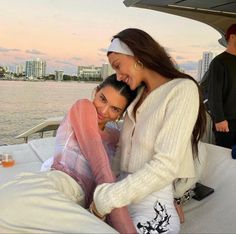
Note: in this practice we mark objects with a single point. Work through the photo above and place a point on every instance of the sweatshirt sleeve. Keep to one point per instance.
(170, 145)
(84, 123)
(83, 117)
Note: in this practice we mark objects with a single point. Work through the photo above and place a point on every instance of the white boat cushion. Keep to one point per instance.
(216, 213)
(200, 165)
(43, 148)
(9, 173)
(22, 153)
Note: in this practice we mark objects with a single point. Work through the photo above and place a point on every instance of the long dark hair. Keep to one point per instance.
(154, 57)
(120, 86)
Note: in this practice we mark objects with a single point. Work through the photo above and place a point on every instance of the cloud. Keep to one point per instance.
(2, 49)
(75, 34)
(195, 46)
(178, 57)
(76, 58)
(64, 62)
(34, 51)
(20, 58)
(103, 61)
(189, 65)
(15, 50)
(103, 50)
(169, 50)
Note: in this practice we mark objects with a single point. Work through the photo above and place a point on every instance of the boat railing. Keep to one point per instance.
(48, 125)
(52, 124)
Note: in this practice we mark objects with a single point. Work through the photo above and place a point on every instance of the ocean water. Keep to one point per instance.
(24, 104)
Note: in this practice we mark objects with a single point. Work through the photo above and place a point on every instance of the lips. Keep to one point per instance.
(126, 80)
(100, 116)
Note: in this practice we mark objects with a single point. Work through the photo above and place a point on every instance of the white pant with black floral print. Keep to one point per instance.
(156, 213)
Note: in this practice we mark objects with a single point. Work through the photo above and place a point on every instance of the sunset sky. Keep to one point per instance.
(68, 33)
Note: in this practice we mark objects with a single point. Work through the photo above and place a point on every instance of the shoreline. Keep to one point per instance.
(64, 81)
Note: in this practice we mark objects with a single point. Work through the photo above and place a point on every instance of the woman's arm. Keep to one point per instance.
(83, 118)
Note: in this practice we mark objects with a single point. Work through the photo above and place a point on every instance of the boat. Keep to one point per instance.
(214, 214)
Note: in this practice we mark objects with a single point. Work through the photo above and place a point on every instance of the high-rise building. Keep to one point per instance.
(20, 69)
(29, 69)
(89, 72)
(59, 75)
(35, 68)
(106, 71)
(199, 70)
(207, 57)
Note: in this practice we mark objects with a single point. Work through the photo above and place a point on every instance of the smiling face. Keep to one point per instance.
(110, 105)
(124, 67)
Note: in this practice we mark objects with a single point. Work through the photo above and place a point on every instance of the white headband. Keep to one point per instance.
(119, 47)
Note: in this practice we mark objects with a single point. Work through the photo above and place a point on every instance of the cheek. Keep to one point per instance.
(97, 104)
(113, 116)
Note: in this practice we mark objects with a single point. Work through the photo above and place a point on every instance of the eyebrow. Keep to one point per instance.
(104, 96)
(120, 109)
(112, 64)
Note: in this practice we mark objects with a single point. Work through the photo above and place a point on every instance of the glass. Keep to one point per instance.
(7, 160)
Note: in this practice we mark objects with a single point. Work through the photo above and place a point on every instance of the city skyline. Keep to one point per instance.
(74, 32)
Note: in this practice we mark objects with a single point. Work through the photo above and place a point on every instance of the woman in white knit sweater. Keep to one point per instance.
(160, 134)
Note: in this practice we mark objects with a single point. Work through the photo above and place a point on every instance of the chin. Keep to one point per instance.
(133, 87)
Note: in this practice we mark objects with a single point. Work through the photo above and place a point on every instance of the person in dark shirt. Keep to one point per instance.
(222, 92)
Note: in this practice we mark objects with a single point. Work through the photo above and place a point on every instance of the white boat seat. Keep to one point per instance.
(28, 157)
(216, 213)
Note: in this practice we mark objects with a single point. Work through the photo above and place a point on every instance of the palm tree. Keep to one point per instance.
(2, 71)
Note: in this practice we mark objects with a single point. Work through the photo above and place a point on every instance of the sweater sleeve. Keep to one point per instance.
(170, 145)
(85, 126)
(215, 90)
(84, 123)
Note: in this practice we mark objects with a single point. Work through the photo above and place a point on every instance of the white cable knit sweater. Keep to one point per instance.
(156, 148)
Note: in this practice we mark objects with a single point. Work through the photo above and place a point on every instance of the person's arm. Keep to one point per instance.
(64, 133)
(215, 93)
(83, 118)
(171, 142)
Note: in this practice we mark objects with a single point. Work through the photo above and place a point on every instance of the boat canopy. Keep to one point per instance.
(219, 14)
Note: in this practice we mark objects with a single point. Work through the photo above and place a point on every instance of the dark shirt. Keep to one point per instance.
(222, 87)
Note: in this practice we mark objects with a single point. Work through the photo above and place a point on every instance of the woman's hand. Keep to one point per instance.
(93, 210)
(180, 212)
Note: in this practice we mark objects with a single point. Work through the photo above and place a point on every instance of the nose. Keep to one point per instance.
(119, 77)
(104, 109)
